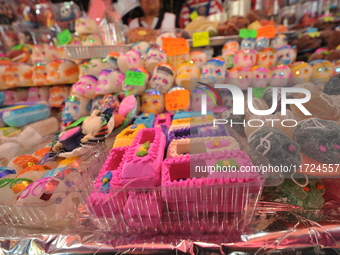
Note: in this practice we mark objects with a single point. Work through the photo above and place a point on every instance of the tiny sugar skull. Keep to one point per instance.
(85, 87)
(38, 54)
(262, 43)
(231, 46)
(58, 95)
(245, 58)
(248, 44)
(281, 75)
(196, 98)
(163, 78)
(240, 77)
(112, 59)
(85, 26)
(141, 47)
(285, 55)
(152, 102)
(136, 89)
(301, 72)
(186, 71)
(18, 74)
(228, 57)
(165, 34)
(199, 58)
(322, 71)
(173, 107)
(76, 107)
(336, 67)
(130, 59)
(261, 76)
(266, 57)
(39, 74)
(109, 81)
(62, 72)
(154, 57)
(279, 41)
(91, 40)
(36, 94)
(214, 69)
(93, 67)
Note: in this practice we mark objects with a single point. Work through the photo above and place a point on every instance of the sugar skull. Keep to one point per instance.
(130, 59)
(58, 95)
(36, 94)
(279, 41)
(154, 57)
(15, 96)
(91, 40)
(51, 53)
(137, 89)
(152, 102)
(62, 72)
(86, 25)
(231, 46)
(199, 58)
(228, 57)
(281, 76)
(141, 47)
(186, 71)
(93, 67)
(301, 72)
(86, 86)
(39, 74)
(185, 100)
(266, 57)
(18, 74)
(112, 59)
(109, 81)
(240, 77)
(245, 58)
(322, 71)
(196, 98)
(163, 77)
(76, 107)
(261, 76)
(165, 34)
(248, 44)
(336, 67)
(38, 54)
(262, 43)
(285, 55)
(214, 69)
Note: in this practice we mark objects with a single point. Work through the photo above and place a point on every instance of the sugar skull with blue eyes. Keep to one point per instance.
(261, 76)
(163, 78)
(136, 89)
(86, 86)
(336, 67)
(262, 43)
(142, 47)
(281, 75)
(152, 101)
(214, 69)
(322, 70)
(109, 81)
(285, 55)
(76, 107)
(301, 72)
(154, 57)
(196, 98)
(245, 58)
(279, 41)
(248, 44)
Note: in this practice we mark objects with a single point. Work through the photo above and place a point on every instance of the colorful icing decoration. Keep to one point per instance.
(233, 46)
(6, 171)
(130, 59)
(248, 44)
(285, 55)
(154, 57)
(58, 95)
(163, 119)
(301, 72)
(279, 41)
(22, 162)
(109, 81)
(18, 74)
(196, 98)
(34, 172)
(86, 86)
(266, 57)
(261, 43)
(322, 70)
(147, 119)
(62, 71)
(106, 182)
(214, 69)
(143, 149)
(245, 58)
(76, 107)
(86, 25)
(199, 58)
(39, 74)
(126, 137)
(152, 102)
(228, 57)
(186, 71)
(261, 76)
(163, 78)
(227, 162)
(112, 60)
(240, 77)
(93, 67)
(14, 185)
(142, 47)
(91, 40)
(281, 76)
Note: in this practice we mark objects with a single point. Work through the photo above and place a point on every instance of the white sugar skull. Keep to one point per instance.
(196, 98)
(62, 72)
(266, 57)
(248, 44)
(186, 71)
(159, 40)
(36, 94)
(91, 40)
(152, 102)
(112, 59)
(130, 59)
(76, 107)
(163, 78)
(93, 67)
(228, 57)
(214, 69)
(322, 70)
(281, 76)
(141, 47)
(285, 55)
(44, 53)
(39, 74)
(86, 86)
(279, 41)
(231, 46)
(86, 25)
(58, 95)
(261, 76)
(262, 43)
(51, 53)
(301, 72)
(199, 58)
(18, 74)
(240, 77)
(137, 89)
(245, 58)
(109, 81)
(154, 57)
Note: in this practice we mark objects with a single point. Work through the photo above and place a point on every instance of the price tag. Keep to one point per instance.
(135, 78)
(177, 100)
(175, 46)
(200, 39)
(266, 31)
(247, 33)
(194, 15)
(64, 37)
(258, 92)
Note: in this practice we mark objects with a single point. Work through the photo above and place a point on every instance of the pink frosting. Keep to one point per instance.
(163, 119)
(212, 145)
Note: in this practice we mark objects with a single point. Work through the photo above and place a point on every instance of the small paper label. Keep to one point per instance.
(247, 33)
(266, 31)
(135, 78)
(177, 100)
(258, 92)
(64, 37)
(175, 46)
(194, 15)
(200, 39)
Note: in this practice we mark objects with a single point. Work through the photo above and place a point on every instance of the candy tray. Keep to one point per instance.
(88, 52)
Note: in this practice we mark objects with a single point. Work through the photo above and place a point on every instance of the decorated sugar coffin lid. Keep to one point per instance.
(148, 119)
(184, 115)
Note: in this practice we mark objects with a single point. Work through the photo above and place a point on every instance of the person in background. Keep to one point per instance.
(154, 16)
(202, 7)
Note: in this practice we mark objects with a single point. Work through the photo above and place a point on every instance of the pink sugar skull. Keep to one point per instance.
(279, 41)
(85, 25)
(199, 58)
(231, 46)
(58, 95)
(266, 57)
(214, 69)
(137, 89)
(301, 72)
(86, 86)
(154, 57)
(261, 76)
(36, 94)
(130, 59)
(163, 78)
(285, 55)
(245, 58)
(240, 77)
(281, 75)
(196, 98)
(109, 81)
